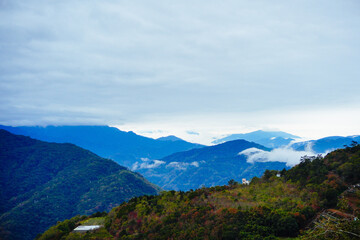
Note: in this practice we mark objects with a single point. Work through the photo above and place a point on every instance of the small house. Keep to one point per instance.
(86, 228)
(245, 182)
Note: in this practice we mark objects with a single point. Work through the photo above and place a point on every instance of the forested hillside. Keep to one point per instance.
(317, 199)
(42, 183)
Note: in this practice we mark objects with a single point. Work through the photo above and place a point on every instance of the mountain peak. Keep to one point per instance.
(270, 139)
(171, 138)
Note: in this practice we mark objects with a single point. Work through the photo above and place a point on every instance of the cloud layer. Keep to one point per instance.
(182, 165)
(286, 155)
(121, 62)
(149, 164)
(146, 164)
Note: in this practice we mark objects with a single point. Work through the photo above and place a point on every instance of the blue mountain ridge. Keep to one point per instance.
(327, 144)
(123, 147)
(208, 166)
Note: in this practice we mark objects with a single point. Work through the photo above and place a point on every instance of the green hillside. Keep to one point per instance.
(317, 199)
(42, 183)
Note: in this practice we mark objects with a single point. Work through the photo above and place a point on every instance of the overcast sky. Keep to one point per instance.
(197, 69)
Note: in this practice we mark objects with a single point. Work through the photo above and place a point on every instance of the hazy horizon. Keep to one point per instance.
(205, 139)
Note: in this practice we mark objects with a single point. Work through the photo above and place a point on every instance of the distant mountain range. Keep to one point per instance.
(208, 166)
(109, 142)
(265, 138)
(326, 144)
(42, 183)
(282, 139)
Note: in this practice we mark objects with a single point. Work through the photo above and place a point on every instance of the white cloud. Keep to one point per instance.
(177, 165)
(182, 165)
(192, 133)
(286, 155)
(147, 164)
(195, 164)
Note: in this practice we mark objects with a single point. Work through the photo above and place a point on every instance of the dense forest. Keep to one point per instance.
(317, 199)
(42, 183)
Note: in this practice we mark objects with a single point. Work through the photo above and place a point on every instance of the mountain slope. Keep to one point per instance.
(109, 142)
(317, 199)
(265, 138)
(42, 183)
(208, 166)
(326, 144)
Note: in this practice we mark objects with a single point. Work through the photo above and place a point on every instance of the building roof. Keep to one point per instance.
(87, 228)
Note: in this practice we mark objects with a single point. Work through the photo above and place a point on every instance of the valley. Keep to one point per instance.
(47, 182)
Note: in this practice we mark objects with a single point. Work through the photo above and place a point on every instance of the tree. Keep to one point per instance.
(232, 183)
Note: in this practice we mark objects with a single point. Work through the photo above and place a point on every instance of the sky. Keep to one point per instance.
(196, 69)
